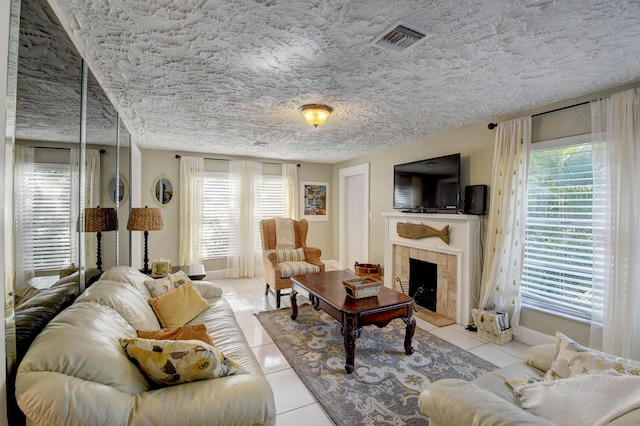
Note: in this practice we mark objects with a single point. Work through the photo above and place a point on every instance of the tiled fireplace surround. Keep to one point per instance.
(447, 278)
(458, 263)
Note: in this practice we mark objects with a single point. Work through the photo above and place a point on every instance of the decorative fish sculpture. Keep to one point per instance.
(416, 231)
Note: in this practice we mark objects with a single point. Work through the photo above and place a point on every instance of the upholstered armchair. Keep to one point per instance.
(285, 253)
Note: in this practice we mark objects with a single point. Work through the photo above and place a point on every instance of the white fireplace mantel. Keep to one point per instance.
(464, 242)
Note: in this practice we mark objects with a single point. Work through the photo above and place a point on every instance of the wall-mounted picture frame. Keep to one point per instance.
(314, 199)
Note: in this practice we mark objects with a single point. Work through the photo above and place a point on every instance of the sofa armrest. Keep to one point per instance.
(207, 289)
(458, 402)
(540, 356)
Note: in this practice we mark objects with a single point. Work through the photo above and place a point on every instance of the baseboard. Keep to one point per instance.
(532, 337)
(331, 265)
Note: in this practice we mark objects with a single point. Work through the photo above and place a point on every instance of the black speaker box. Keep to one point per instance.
(475, 199)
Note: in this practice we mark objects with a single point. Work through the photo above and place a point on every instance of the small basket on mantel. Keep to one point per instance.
(359, 288)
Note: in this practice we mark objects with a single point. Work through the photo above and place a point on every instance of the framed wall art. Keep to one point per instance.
(314, 201)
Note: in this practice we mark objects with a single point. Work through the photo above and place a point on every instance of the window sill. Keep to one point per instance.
(563, 315)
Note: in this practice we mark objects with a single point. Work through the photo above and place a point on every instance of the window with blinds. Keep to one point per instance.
(272, 204)
(51, 191)
(217, 211)
(559, 267)
(216, 215)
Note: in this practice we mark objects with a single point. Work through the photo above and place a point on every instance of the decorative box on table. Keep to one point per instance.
(367, 270)
(492, 326)
(362, 287)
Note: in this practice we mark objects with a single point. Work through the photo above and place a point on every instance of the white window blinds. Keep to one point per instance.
(50, 220)
(559, 265)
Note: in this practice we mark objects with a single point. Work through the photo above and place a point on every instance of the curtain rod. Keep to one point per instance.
(226, 159)
(492, 126)
(102, 151)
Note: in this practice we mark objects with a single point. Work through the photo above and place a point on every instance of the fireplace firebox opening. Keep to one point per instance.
(423, 283)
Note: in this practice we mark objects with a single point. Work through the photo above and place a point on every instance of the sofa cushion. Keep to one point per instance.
(572, 359)
(290, 269)
(124, 299)
(179, 306)
(186, 332)
(171, 362)
(127, 274)
(58, 297)
(207, 289)
(290, 255)
(83, 342)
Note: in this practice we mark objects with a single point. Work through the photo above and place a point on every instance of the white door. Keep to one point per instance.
(354, 215)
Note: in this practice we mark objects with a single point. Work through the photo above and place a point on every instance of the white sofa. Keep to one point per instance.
(488, 400)
(77, 373)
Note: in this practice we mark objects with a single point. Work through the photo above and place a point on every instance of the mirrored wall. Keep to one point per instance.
(69, 156)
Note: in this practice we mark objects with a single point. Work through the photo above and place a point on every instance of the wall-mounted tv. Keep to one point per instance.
(428, 186)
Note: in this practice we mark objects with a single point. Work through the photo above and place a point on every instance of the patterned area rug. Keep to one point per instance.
(385, 384)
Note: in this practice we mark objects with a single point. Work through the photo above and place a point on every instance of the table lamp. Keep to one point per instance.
(145, 219)
(100, 219)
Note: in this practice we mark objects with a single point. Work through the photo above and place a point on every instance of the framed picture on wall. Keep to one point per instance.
(314, 200)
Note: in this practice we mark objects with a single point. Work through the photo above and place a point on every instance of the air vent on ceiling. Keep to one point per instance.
(260, 144)
(398, 38)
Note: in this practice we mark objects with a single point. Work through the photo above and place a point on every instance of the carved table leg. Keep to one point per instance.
(294, 304)
(411, 328)
(350, 333)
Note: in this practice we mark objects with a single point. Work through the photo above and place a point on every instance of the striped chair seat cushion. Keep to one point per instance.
(290, 255)
(290, 269)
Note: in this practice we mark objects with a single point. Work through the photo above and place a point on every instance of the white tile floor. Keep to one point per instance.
(294, 403)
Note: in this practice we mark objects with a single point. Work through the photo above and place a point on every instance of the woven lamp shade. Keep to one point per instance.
(100, 219)
(145, 219)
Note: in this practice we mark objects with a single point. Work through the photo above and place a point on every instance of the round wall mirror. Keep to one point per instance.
(162, 190)
(122, 188)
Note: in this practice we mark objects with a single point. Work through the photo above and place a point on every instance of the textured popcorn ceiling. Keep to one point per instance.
(220, 76)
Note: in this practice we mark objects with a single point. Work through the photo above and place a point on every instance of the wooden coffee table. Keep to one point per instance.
(326, 292)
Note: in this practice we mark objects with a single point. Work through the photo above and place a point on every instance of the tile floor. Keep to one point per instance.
(294, 403)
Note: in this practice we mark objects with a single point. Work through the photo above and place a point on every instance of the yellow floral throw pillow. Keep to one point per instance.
(171, 362)
(572, 359)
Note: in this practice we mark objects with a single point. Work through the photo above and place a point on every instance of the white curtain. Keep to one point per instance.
(246, 182)
(290, 187)
(615, 326)
(500, 288)
(191, 182)
(85, 192)
(23, 209)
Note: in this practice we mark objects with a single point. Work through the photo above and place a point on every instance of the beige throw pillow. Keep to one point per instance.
(171, 362)
(179, 306)
(572, 359)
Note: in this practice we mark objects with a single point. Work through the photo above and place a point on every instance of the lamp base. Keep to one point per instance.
(145, 271)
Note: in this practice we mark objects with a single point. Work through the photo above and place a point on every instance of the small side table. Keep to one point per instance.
(194, 272)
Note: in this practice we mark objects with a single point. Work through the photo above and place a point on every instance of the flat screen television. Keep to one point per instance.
(429, 185)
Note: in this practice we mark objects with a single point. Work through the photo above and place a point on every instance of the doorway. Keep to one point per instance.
(354, 215)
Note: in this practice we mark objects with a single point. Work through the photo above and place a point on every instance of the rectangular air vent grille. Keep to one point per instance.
(399, 38)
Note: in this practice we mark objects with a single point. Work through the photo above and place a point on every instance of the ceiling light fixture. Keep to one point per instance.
(315, 114)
